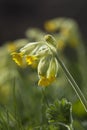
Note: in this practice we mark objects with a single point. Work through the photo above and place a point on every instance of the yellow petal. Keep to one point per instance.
(45, 81)
(17, 57)
(30, 59)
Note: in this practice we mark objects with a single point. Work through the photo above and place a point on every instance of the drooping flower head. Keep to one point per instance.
(40, 55)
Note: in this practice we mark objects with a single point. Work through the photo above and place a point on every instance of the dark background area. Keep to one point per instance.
(18, 15)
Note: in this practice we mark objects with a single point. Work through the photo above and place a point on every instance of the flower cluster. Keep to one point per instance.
(39, 55)
(66, 32)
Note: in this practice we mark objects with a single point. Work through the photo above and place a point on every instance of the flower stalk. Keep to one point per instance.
(70, 127)
(44, 55)
(68, 75)
(73, 83)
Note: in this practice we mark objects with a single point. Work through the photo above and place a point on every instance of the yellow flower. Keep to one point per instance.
(47, 71)
(40, 54)
(18, 58)
(45, 81)
(54, 24)
(50, 26)
(31, 60)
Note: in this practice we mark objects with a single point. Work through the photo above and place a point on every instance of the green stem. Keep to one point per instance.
(70, 127)
(81, 51)
(45, 98)
(14, 99)
(7, 120)
(44, 105)
(50, 43)
(72, 82)
(42, 111)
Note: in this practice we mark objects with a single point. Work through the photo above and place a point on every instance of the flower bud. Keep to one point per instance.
(43, 65)
(30, 47)
(50, 39)
(47, 71)
(53, 69)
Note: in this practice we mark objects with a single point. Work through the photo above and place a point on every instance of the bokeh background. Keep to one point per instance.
(23, 104)
(18, 15)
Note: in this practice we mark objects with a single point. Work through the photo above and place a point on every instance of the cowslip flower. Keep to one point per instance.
(34, 51)
(18, 58)
(54, 24)
(47, 70)
(47, 76)
(24, 56)
(30, 59)
(40, 55)
(50, 26)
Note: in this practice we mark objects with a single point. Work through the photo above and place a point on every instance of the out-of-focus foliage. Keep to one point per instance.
(23, 105)
(60, 112)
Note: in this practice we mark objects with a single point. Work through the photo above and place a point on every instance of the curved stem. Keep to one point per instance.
(81, 52)
(49, 41)
(70, 127)
(72, 82)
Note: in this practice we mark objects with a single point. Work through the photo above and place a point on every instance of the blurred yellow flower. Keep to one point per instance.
(11, 47)
(67, 29)
(50, 26)
(60, 44)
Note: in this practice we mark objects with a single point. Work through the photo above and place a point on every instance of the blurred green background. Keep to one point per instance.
(23, 105)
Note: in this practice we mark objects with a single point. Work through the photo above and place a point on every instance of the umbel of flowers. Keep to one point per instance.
(39, 55)
(44, 56)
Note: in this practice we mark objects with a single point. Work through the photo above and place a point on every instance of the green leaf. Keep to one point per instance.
(60, 112)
